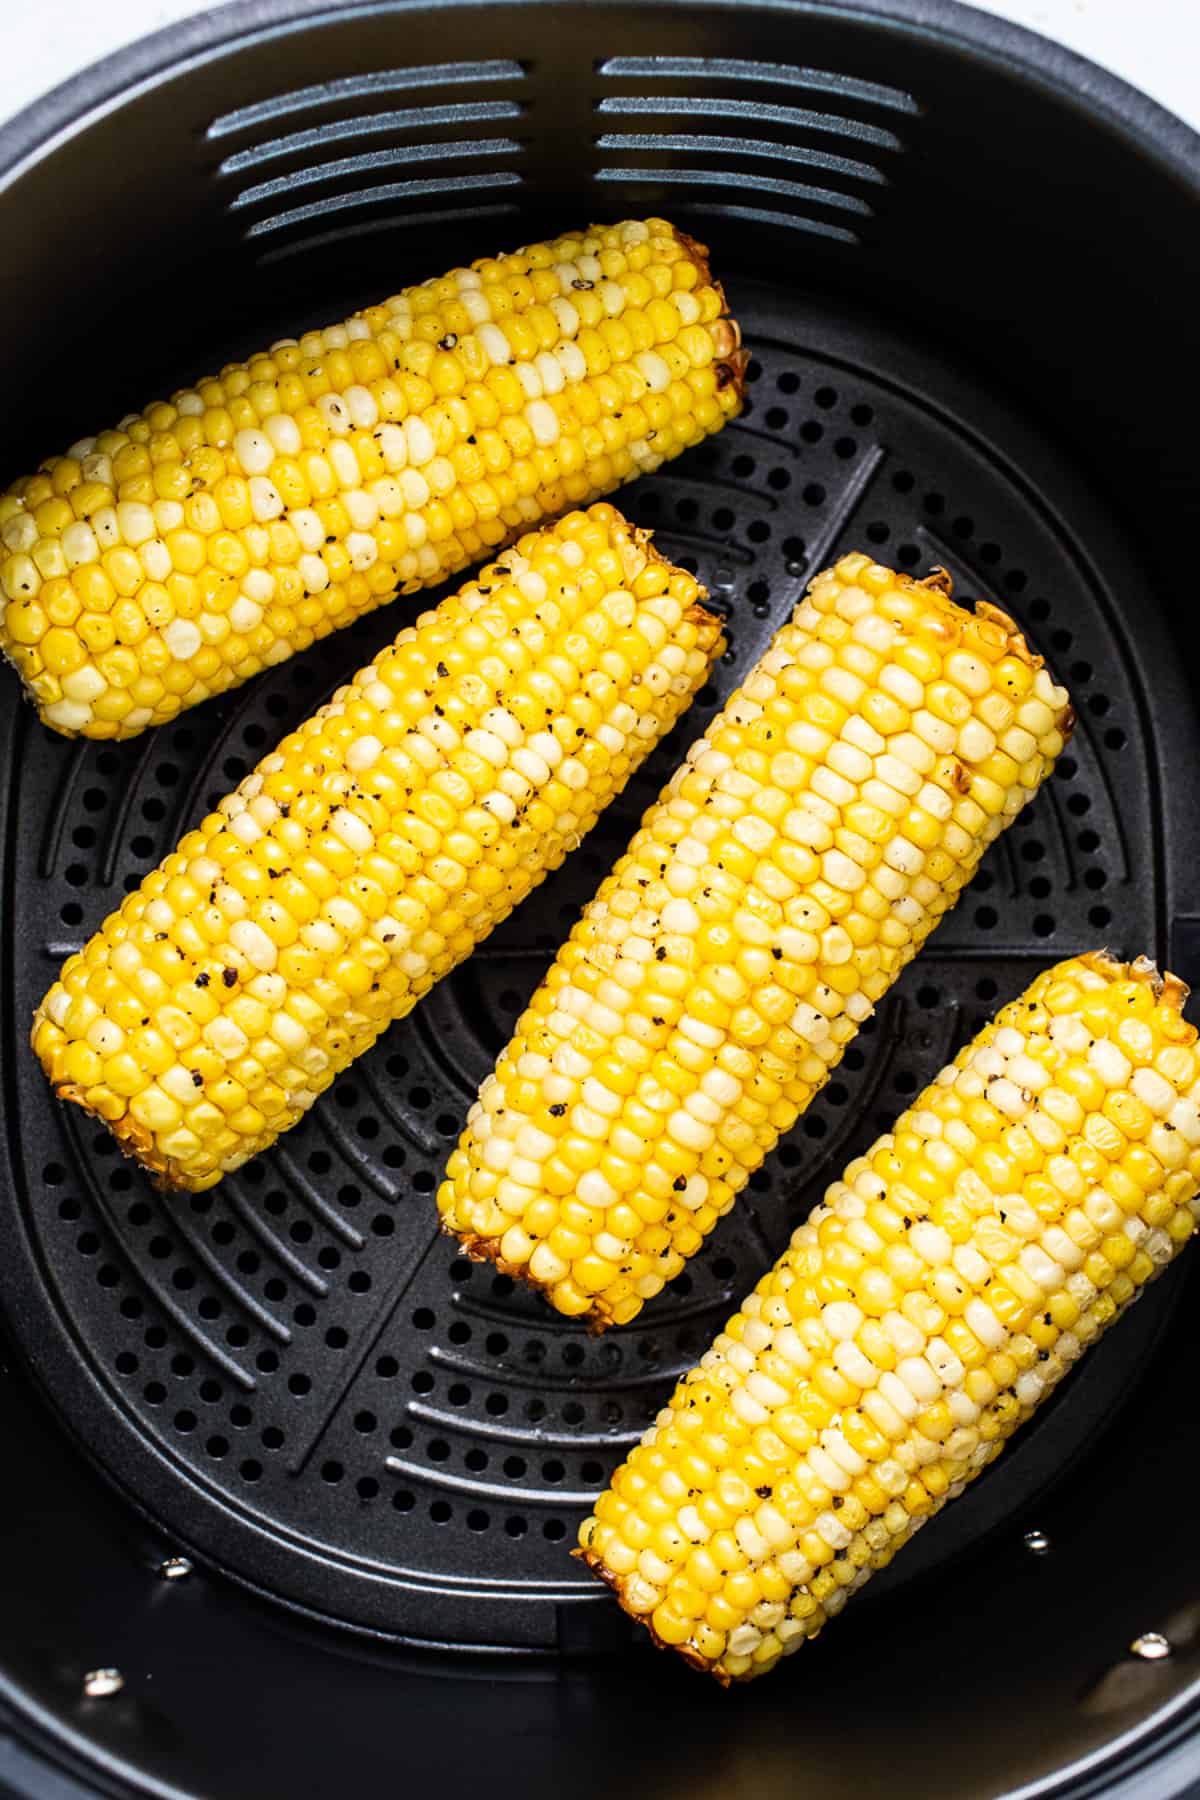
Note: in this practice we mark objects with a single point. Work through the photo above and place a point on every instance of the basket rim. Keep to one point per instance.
(1107, 99)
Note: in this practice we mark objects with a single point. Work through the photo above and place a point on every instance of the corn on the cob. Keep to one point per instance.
(936, 1297)
(375, 848)
(795, 864)
(208, 537)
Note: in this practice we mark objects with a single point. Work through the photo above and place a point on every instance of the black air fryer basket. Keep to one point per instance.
(303, 1476)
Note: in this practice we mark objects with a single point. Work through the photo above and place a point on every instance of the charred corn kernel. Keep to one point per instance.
(321, 478)
(755, 930)
(844, 1498)
(325, 896)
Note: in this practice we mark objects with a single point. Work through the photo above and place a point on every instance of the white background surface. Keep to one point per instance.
(1155, 44)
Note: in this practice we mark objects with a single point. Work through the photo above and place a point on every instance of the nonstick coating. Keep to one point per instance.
(303, 1380)
(293, 1378)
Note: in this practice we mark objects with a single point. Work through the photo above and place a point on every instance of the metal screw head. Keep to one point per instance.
(1152, 1646)
(175, 1568)
(1037, 1543)
(102, 1684)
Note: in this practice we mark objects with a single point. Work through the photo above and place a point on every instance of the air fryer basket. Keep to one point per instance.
(966, 264)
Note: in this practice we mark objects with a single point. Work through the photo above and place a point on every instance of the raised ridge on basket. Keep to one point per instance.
(392, 193)
(755, 215)
(751, 116)
(691, 143)
(844, 145)
(377, 162)
(393, 123)
(376, 82)
(704, 69)
(773, 186)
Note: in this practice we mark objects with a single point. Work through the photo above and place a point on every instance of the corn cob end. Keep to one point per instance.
(137, 1143)
(595, 1564)
(1167, 989)
(596, 1314)
(1013, 641)
(732, 359)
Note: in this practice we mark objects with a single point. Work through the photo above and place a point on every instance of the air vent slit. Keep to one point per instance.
(397, 191)
(342, 234)
(417, 118)
(754, 114)
(695, 144)
(375, 161)
(770, 185)
(707, 69)
(363, 87)
(754, 215)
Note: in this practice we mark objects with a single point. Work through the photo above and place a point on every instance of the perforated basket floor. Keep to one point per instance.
(294, 1374)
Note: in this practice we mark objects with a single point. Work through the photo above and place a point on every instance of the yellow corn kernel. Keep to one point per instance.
(298, 875)
(848, 1489)
(758, 942)
(308, 485)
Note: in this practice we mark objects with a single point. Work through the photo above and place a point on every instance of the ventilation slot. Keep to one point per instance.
(329, 97)
(820, 168)
(355, 162)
